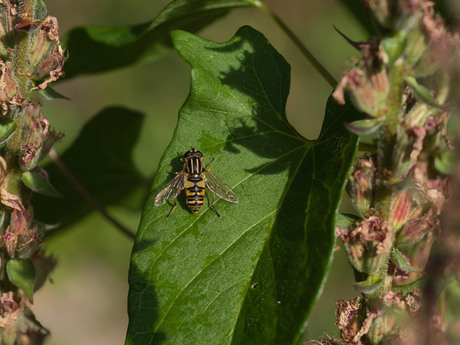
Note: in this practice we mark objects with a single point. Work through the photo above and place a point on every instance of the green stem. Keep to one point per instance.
(31, 9)
(367, 147)
(388, 142)
(21, 66)
(320, 68)
(87, 195)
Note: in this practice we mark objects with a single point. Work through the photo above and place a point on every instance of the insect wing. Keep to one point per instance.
(220, 188)
(173, 187)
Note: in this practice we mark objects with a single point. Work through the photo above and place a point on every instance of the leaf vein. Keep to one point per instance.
(206, 266)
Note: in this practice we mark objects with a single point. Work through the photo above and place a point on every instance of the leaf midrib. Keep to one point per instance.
(207, 265)
(269, 235)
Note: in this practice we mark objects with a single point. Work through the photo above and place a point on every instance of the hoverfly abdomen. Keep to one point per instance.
(194, 178)
(195, 189)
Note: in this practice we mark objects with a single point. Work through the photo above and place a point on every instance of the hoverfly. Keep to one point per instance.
(195, 178)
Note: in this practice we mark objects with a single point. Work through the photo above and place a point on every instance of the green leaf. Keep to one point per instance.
(444, 162)
(364, 127)
(344, 220)
(101, 160)
(400, 261)
(7, 128)
(43, 269)
(408, 288)
(369, 288)
(421, 92)
(96, 49)
(394, 46)
(253, 275)
(22, 274)
(39, 183)
(49, 94)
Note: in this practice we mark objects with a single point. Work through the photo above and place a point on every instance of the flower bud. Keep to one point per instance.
(394, 46)
(10, 101)
(21, 238)
(48, 58)
(23, 325)
(8, 15)
(381, 11)
(389, 310)
(418, 116)
(382, 327)
(401, 209)
(8, 82)
(36, 138)
(368, 244)
(368, 89)
(426, 203)
(395, 15)
(348, 319)
(379, 248)
(361, 184)
(406, 152)
(416, 229)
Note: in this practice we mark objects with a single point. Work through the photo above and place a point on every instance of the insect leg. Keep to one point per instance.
(175, 203)
(172, 209)
(212, 202)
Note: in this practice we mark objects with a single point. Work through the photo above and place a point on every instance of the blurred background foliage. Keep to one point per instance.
(86, 302)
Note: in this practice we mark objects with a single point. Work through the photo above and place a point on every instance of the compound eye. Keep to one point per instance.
(193, 152)
(188, 153)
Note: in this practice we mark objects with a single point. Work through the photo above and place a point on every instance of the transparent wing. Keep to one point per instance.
(173, 187)
(220, 188)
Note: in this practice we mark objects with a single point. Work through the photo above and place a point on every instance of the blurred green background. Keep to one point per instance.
(86, 302)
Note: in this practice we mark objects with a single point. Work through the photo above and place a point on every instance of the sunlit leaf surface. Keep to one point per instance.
(253, 275)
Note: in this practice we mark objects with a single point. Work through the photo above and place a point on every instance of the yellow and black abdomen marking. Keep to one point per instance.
(195, 189)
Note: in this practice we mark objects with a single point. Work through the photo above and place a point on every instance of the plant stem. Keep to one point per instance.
(87, 195)
(367, 147)
(320, 68)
